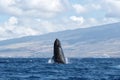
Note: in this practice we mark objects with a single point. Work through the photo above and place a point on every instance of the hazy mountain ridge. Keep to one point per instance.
(99, 41)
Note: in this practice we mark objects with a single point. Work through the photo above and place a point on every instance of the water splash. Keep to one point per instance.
(51, 61)
(67, 61)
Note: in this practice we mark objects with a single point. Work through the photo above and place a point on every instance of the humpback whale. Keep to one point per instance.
(58, 55)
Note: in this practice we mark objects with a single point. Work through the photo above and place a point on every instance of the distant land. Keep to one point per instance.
(97, 42)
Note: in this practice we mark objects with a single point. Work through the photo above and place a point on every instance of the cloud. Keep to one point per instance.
(9, 7)
(80, 20)
(45, 5)
(108, 20)
(86, 8)
(32, 8)
(11, 29)
(108, 11)
(30, 17)
(79, 8)
(25, 31)
(34, 17)
(112, 7)
(93, 6)
(42, 25)
(10, 24)
(12, 21)
(17, 27)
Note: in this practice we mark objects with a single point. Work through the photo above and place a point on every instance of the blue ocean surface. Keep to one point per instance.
(76, 69)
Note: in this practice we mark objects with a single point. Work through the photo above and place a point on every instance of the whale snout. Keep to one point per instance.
(57, 43)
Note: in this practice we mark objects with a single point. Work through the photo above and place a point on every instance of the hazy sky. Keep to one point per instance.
(33, 17)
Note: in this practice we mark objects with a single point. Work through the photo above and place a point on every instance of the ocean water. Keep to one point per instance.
(76, 69)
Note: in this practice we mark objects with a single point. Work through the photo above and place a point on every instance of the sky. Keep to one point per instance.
(36, 17)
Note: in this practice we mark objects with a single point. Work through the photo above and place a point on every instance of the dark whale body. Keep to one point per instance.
(58, 53)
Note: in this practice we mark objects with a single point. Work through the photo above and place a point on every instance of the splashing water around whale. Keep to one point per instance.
(51, 61)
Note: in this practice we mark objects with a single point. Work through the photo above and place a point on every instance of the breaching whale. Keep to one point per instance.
(58, 55)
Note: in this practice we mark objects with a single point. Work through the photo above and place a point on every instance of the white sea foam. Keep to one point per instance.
(52, 61)
(67, 61)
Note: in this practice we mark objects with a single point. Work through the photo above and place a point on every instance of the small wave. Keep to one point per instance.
(52, 61)
(31, 60)
(117, 66)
